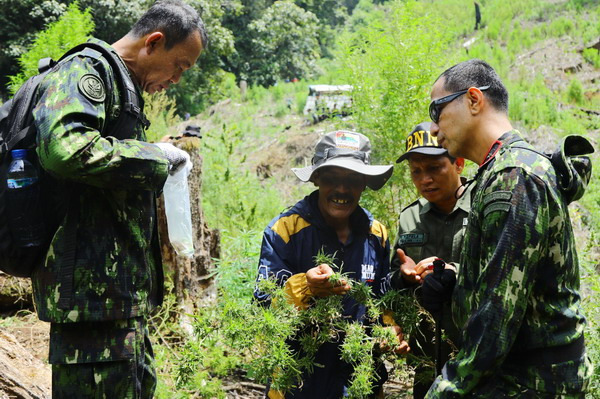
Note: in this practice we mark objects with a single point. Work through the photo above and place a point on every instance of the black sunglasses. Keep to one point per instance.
(436, 106)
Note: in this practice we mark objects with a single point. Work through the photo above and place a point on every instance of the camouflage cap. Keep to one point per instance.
(348, 150)
(421, 141)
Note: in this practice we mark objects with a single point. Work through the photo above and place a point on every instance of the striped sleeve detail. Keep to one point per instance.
(380, 231)
(287, 226)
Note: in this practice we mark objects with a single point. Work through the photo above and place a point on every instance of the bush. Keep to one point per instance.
(160, 111)
(258, 337)
(393, 64)
(73, 27)
(592, 56)
(575, 92)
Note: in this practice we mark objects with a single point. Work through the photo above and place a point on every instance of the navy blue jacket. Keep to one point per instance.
(289, 245)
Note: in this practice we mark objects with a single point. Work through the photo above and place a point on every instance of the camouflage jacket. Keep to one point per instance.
(113, 182)
(517, 293)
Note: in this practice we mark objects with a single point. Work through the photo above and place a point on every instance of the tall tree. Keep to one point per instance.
(238, 20)
(332, 15)
(72, 28)
(114, 18)
(284, 44)
(20, 20)
(200, 86)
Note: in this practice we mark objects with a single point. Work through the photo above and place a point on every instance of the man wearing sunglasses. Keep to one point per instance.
(431, 227)
(516, 297)
(330, 220)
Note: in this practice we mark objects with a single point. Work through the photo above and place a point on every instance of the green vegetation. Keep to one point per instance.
(285, 44)
(72, 28)
(258, 338)
(393, 62)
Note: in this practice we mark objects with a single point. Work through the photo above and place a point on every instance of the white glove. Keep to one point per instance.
(177, 158)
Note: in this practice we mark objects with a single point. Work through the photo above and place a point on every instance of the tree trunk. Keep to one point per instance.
(21, 375)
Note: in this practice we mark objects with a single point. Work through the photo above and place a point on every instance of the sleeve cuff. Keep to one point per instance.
(297, 291)
(388, 318)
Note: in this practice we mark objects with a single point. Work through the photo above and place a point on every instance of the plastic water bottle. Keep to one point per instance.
(21, 172)
(24, 205)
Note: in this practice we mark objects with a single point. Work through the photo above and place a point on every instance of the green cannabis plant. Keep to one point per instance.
(276, 343)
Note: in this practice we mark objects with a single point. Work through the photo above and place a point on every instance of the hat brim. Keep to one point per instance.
(377, 175)
(423, 150)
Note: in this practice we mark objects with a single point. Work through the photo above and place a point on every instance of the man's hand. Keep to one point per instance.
(177, 158)
(317, 280)
(407, 267)
(438, 289)
(416, 274)
(400, 347)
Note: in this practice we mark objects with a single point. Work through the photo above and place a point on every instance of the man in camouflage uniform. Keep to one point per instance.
(432, 226)
(97, 290)
(516, 299)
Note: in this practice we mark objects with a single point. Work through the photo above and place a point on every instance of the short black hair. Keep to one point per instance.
(477, 73)
(174, 18)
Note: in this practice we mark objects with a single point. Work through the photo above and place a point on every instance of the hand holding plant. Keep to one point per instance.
(392, 340)
(321, 283)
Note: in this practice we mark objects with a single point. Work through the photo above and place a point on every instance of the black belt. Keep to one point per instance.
(549, 355)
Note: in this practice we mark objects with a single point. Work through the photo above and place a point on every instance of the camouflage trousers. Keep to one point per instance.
(111, 359)
(567, 380)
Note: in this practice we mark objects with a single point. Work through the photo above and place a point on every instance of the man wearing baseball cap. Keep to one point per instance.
(432, 226)
(329, 220)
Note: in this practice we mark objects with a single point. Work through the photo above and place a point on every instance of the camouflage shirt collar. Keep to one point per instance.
(500, 144)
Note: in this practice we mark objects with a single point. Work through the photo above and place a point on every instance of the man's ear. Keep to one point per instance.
(476, 100)
(153, 40)
(460, 164)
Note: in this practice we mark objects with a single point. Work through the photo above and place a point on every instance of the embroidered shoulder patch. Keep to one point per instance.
(497, 196)
(92, 87)
(497, 206)
(412, 239)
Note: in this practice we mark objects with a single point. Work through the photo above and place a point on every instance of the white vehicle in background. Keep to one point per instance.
(325, 101)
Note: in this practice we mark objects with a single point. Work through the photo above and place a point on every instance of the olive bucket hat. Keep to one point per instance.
(348, 150)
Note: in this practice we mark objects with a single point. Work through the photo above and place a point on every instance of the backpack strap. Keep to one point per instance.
(5, 109)
(45, 64)
(132, 104)
(25, 132)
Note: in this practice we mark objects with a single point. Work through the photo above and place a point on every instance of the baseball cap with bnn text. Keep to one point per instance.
(420, 141)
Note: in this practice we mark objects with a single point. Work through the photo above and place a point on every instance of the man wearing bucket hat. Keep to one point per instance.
(432, 226)
(329, 220)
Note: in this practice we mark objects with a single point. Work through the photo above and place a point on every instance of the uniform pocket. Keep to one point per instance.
(92, 342)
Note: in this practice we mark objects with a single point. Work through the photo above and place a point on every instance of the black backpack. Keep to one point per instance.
(17, 131)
